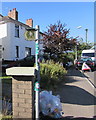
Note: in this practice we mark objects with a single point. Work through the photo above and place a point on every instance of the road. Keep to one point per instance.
(91, 76)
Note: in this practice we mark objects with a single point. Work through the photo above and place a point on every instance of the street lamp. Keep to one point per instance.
(79, 27)
(86, 30)
(76, 55)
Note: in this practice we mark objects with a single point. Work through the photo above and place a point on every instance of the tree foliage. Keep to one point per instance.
(57, 40)
(82, 46)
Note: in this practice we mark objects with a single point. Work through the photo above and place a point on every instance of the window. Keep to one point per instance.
(88, 54)
(16, 30)
(17, 51)
(27, 51)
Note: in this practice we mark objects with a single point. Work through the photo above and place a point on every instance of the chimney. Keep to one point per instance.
(13, 14)
(29, 22)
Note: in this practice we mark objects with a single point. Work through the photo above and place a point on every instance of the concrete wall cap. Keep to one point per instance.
(21, 71)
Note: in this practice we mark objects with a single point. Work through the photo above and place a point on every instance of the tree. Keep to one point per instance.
(83, 46)
(57, 40)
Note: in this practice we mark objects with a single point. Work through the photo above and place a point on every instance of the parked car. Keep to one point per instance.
(25, 62)
(87, 60)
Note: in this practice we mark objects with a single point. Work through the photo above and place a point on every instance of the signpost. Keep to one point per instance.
(29, 34)
(37, 85)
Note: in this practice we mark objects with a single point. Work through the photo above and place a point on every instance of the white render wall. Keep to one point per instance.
(3, 35)
(4, 41)
(10, 42)
(3, 31)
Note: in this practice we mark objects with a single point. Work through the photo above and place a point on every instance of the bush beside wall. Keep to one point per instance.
(51, 74)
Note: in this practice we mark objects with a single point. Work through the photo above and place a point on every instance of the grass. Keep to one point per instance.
(7, 117)
(6, 79)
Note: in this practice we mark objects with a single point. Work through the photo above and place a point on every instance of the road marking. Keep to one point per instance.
(87, 78)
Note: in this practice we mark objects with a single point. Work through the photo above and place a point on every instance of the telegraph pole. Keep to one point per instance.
(86, 34)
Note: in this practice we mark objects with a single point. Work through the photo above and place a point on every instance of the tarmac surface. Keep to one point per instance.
(77, 97)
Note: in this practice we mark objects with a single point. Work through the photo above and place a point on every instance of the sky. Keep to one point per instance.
(73, 14)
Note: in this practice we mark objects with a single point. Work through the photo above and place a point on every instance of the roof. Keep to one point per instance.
(1, 15)
(5, 19)
(88, 51)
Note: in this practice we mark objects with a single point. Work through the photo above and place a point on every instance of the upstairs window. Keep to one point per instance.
(16, 30)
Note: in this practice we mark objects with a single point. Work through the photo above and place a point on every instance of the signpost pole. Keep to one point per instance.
(29, 34)
(37, 85)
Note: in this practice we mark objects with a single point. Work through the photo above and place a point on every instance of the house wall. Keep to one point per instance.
(3, 34)
(4, 41)
(10, 42)
(3, 30)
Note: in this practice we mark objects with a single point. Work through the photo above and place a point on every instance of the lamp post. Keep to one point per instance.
(76, 55)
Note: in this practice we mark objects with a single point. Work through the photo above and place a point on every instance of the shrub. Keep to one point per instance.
(51, 74)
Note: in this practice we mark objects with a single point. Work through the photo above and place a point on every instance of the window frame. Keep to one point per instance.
(17, 51)
(17, 31)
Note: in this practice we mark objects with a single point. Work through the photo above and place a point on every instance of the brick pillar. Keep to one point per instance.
(22, 92)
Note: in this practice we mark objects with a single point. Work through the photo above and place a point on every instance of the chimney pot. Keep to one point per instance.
(29, 22)
(13, 14)
(14, 8)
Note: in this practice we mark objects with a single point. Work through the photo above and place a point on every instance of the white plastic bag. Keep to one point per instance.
(50, 105)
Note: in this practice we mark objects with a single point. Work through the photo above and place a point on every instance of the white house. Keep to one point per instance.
(13, 44)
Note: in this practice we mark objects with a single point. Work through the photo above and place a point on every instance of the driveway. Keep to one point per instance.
(77, 96)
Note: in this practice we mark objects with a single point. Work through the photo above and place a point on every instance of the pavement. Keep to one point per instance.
(77, 96)
(91, 77)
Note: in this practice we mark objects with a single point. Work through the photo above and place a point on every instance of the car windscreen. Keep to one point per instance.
(88, 54)
(86, 59)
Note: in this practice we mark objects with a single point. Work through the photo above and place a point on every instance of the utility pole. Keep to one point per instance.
(86, 34)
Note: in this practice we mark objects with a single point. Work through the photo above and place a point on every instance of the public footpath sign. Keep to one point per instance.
(37, 86)
(37, 48)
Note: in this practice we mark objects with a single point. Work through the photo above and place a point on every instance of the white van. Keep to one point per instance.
(89, 53)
